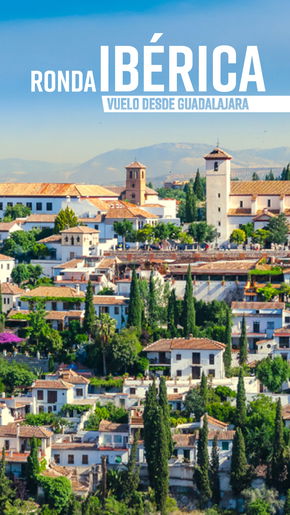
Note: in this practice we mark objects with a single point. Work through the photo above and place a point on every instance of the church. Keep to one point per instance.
(231, 204)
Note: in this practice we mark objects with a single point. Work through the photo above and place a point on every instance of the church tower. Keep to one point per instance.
(135, 183)
(218, 184)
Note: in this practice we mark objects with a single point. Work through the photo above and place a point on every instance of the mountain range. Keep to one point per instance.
(164, 160)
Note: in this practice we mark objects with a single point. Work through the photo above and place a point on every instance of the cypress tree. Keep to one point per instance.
(243, 343)
(278, 465)
(6, 492)
(172, 314)
(190, 205)
(255, 177)
(152, 302)
(197, 186)
(161, 485)
(33, 467)
(227, 356)
(241, 408)
(202, 471)
(188, 307)
(132, 478)
(90, 315)
(214, 468)
(239, 464)
(287, 503)
(135, 305)
(204, 390)
(163, 403)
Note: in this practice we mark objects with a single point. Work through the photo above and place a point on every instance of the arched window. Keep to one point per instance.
(78, 239)
(66, 239)
(131, 174)
(72, 240)
(216, 166)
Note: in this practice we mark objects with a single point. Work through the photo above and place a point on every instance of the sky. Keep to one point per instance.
(72, 128)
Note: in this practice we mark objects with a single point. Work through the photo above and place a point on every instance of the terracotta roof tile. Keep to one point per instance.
(164, 345)
(109, 300)
(35, 218)
(260, 188)
(26, 189)
(6, 226)
(83, 229)
(258, 305)
(57, 384)
(112, 427)
(11, 289)
(54, 291)
(25, 431)
(217, 153)
(221, 435)
(135, 164)
(184, 440)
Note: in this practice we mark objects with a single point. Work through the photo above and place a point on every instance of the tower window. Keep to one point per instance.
(219, 209)
(219, 195)
(216, 166)
(133, 185)
(131, 174)
(269, 202)
(241, 203)
(133, 195)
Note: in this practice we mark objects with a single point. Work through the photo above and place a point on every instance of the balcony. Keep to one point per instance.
(158, 361)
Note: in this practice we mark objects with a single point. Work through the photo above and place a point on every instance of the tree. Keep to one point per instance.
(163, 403)
(6, 492)
(259, 432)
(202, 232)
(153, 314)
(272, 372)
(255, 177)
(214, 470)
(257, 500)
(33, 467)
(17, 211)
(202, 470)
(278, 229)
(90, 314)
(238, 236)
(123, 229)
(42, 337)
(132, 478)
(161, 232)
(204, 389)
(243, 344)
(65, 219)
(105, 328)
(57, 492)
(270, 176)
(258, 507)
(198, 187)
(260, 236)
(188, 306)
(20, 274)
(23, 246)
(248, 229)
(278, 465)
(287, 503)
(125, 349)
(227, 355)
(135, 306)
(285, 175)
(190, 205)
(239, 464)
(194, 404)
(172, 314)
(241, 411)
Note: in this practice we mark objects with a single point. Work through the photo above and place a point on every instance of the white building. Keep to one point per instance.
(262, 318)
(51, 395)
(61, 298)
(115, 306)
(187, 357)
(7, 264)
(234, 203)
(7, 228)
(10, 294)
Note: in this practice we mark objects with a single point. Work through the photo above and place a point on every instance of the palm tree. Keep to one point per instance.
(105, 328)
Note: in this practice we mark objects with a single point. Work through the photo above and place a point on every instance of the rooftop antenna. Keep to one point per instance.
(218, 142)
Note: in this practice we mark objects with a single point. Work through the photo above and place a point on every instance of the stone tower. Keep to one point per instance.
(218, 184)
(135, 183)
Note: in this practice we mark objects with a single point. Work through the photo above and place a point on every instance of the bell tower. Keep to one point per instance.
(135, 183)
(218, 185)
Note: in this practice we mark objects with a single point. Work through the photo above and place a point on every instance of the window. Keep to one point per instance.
(41, 409)
(133, 185)
(40, 395)
(1, 206)
(225, 446)
(96, 227)
(133, 195)
(29, 205)
(179, 373)
(85, 459)
(284, 341)
(116, 310)
(216, 166)
(269, 202)
(78, 240)
(48, 206)
(8, 267)
(51, 396)
(219, 223)
(196, 358)
(38, 206)
(118, 439)
(70, 459)
(178, 357)
(241, 203)
(175, 390)
(270, 325)
(256, 327)
(219, 209)
(79, 392)
(54, 306)
(7, 444)
(132, 391)
(57, 459)
(211, 359)
(219, 195)
(10, 204)
(211, 372)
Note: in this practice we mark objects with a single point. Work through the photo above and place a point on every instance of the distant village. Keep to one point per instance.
(145, 345)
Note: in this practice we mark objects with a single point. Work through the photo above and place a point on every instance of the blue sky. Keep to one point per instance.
(66, 35)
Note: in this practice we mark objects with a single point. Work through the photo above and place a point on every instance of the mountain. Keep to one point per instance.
(162, 160)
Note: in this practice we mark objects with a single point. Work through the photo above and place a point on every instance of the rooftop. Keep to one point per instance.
(112, 427)
(164, 345)
(260, 188)
(54, 291)
(217, 153)
(50, 189)
(57, 384)
(25, 431)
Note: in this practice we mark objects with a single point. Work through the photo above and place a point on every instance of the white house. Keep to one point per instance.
(7, 264)
(10, 294)
(7, 228)
(115, 306)
(262, 318)
(56, 298)
(187, 357)
(51, 395)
